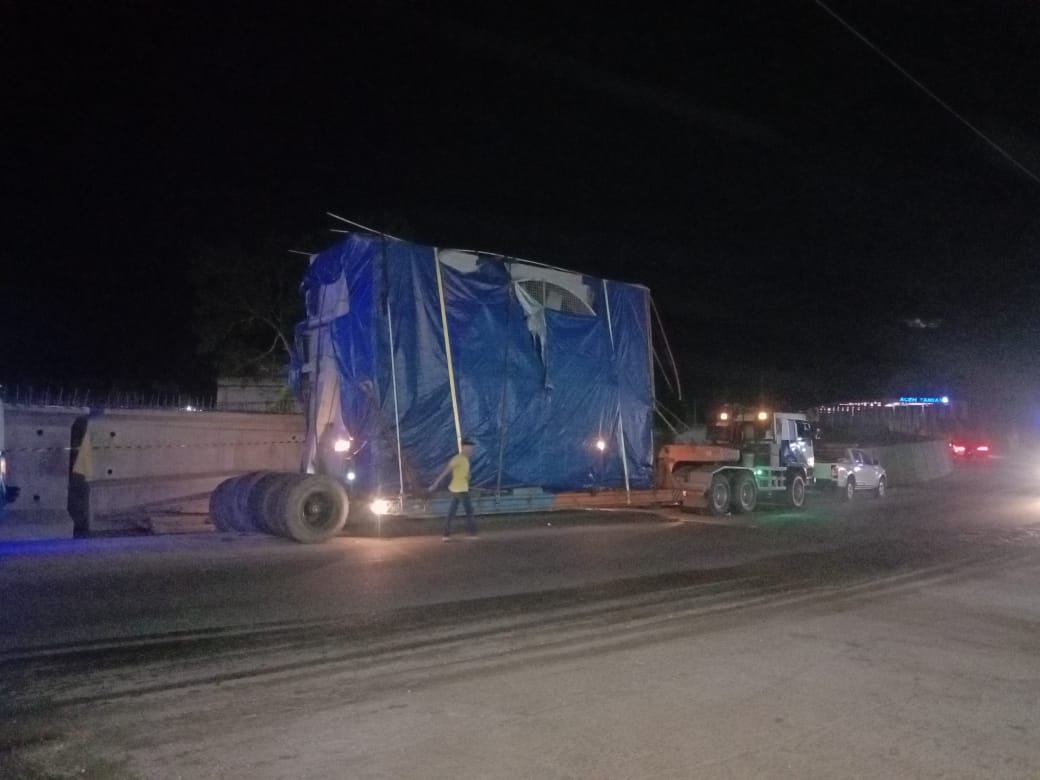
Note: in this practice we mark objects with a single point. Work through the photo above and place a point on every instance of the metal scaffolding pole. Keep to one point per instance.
(621, 424)
(447, 349)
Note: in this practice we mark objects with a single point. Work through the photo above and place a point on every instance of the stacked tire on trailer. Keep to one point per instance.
(306, 508)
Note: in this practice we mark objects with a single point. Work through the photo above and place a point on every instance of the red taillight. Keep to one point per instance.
(958, 449)
(982, 448)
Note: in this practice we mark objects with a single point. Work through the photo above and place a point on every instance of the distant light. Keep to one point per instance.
(341, 445)
(601, 445)
(380, 506)
(351, 476)
(945, 399)
(724, 416)
(763, 416)
(189, 408)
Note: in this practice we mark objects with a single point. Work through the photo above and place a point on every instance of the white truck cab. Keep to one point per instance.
(772, 439)
(745, 455)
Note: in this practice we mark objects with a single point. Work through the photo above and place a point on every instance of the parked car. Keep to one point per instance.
(852, 471)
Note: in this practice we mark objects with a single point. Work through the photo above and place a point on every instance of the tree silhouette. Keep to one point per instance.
(247, 301)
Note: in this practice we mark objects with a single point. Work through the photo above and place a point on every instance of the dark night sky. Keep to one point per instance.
(790, 199)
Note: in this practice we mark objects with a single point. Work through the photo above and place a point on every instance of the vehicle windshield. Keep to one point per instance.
(740, 432)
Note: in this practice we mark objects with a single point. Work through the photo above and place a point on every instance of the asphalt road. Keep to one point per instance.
(882, 638)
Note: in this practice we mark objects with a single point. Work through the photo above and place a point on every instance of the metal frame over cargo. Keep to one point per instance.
(407, 349)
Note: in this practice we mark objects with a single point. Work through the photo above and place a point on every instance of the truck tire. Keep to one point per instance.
(882, 488)
(221, 505)
(312, 508)
(267, 514)
(718, 495)
(261, 498)
(850, 488)
(745, 494)
(241, 520)
(796, 491)
(275, 502)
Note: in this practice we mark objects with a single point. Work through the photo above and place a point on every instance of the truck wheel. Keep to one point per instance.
(313, 509)
(718, 495)
(745, 494)
(259, 497)
(241, 520)
(881, 488)
(272, 513)
(850, 488)
(221, 505)
(796, 491)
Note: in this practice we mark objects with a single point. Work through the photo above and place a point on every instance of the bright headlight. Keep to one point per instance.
(341, 445)
(380, 506)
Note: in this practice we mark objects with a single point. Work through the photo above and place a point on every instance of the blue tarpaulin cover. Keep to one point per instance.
(536, 385)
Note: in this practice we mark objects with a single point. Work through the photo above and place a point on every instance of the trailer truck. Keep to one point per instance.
(409, 349)
(745, 456)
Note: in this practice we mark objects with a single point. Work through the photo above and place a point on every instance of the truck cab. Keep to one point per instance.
(745, 455)
(772, 439)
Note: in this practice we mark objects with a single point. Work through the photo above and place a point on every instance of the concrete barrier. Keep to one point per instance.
(132, 464)
(38, 448)
(914, 462)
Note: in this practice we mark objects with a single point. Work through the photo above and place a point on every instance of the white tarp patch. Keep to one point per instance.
(535, 312)
(464, 262)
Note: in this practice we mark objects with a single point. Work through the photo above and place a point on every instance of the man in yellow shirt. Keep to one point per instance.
(458, 467)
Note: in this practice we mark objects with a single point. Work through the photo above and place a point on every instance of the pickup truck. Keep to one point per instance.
(851, 471)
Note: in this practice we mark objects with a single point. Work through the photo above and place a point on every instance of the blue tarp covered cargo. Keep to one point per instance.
(414, 347)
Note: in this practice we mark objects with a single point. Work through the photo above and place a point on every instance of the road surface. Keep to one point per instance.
(882, 638)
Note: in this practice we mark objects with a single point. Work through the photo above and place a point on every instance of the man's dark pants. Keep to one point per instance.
(456, 498)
